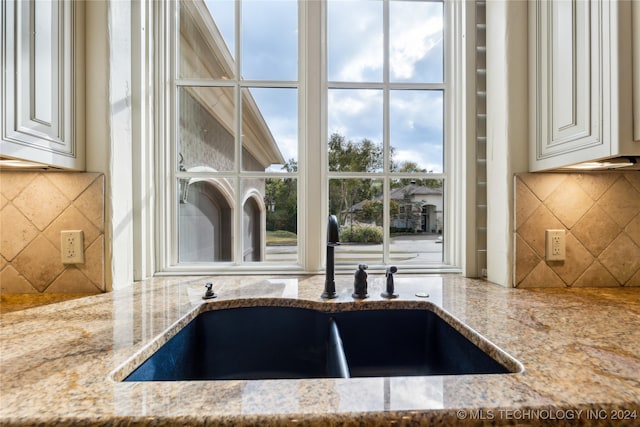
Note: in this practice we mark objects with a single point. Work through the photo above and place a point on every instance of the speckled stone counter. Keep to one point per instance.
(15, 302)
(61, 363)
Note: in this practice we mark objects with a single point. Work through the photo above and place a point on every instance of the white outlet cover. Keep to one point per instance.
(72, 246)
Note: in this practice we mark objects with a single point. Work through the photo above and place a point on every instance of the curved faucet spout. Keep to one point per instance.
(333, 231)
(333, 240)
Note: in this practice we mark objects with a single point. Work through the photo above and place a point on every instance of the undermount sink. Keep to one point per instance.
(380, 343)
(276, 342)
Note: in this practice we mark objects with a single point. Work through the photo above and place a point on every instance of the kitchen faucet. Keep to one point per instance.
(333, 240)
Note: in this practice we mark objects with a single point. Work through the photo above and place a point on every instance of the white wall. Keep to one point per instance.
(507, 128)
(109, 128)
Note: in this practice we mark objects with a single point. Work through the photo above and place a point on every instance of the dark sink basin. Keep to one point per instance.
(271, 342)
(409, 342)
(246, 343)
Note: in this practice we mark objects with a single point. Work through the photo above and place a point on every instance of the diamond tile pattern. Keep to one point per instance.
(601, 213)
(35, 207)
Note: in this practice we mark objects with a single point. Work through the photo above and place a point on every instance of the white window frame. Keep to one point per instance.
(312, 176)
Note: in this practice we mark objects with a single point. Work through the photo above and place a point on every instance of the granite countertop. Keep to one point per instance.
(60, 364)
(16, 302)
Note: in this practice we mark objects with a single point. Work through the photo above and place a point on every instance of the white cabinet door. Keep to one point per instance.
(570, 82)
(580, 83)
(42, 86)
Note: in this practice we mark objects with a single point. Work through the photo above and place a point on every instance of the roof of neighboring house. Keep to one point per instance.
(413, 190)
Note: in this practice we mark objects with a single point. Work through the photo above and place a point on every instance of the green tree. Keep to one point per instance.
(349, 156)
(410, 215)
(412, 167)
(281, 200)
(344, 194)
(371, 211)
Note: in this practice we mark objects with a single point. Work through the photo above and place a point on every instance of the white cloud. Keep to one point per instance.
(428, 158)
(355, 45)
(356, 114)
(415, 30)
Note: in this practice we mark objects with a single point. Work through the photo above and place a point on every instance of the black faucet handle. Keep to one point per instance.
(209, 294)
(390, 290)
(360, 282)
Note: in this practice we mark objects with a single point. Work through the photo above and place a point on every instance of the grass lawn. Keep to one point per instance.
(281, 237)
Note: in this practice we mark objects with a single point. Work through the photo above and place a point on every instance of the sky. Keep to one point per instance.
(355, 46)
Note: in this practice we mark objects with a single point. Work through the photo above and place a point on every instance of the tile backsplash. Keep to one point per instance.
(34, 208)
(601, 215)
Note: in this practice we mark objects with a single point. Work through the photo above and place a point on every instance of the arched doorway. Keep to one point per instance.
(251, 231)
(204, 225)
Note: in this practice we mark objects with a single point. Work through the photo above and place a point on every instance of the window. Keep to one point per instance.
(385, 116)
(264, 137)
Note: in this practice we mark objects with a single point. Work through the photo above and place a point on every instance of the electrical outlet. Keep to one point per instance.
(72, 246)
(555, 245)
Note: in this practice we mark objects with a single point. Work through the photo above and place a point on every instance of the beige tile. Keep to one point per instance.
(578, 259)
(16, 232)
(596, 184)
(634, 281)
(93, 267)
(621, 202)
(621, 258)
(542, 184)
(542, 276)
(569, 202)
(41, 202)
(596, 276)
(91, 202)
(526, 202)
(72, 184)
(634, 179)
(71, 219)
(72, 281)
(35, 201)
(533, 230)
(39, 263)
(12, 282)
(596, 230)
(526, 259)
(633, 229)
(12, 183)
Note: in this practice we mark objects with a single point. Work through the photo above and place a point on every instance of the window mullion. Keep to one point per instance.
(386, 141)
(172, 132)
(315, 191)
(236, 237)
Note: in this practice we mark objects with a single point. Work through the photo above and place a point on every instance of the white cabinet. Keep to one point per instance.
(42, 102)
(580, 82)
